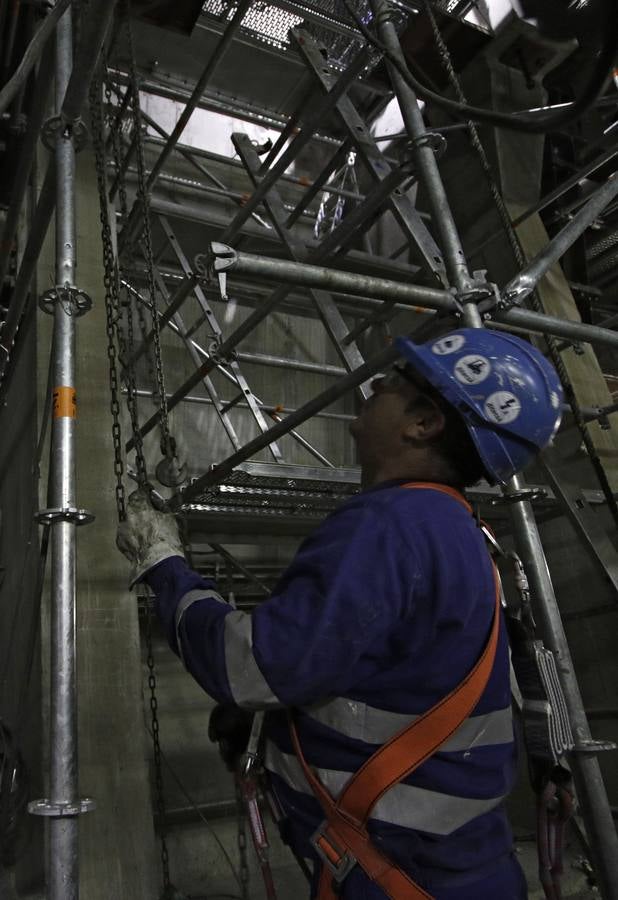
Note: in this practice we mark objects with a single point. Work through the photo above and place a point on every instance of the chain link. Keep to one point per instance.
(110, 282)
(241, 840)
(115, 132)
(129, 376)
(520, 259)
(119, 349)
(143, 199)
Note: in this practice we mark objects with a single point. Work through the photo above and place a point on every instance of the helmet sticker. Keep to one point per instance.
(449, 344)
(502, 407)
(472, 369)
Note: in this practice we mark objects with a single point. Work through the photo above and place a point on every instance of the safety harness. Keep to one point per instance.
(342, 840)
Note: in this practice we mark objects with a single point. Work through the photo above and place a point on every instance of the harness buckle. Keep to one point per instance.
(337, 859)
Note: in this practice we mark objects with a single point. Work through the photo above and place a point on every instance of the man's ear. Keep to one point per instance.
(424, 423)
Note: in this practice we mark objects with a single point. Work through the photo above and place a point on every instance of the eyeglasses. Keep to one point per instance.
(400, 375)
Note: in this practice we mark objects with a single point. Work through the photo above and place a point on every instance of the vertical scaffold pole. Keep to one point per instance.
(586, 770)
(424, 159)
(65, 302)
(591, 793)
(63, 832)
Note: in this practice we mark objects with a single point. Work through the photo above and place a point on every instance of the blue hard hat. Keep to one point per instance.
(508, 394)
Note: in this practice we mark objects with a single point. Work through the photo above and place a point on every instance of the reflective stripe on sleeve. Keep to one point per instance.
(404, 805)
(186, 601)
(248, 686)
(361, 722)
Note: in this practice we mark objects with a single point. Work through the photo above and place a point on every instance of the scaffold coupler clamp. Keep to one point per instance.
(220, 258)
(516, 291)
(73, 301)
(432, 139)
(483, 293)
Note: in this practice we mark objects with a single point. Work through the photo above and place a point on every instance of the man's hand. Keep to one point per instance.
(230, 727)
(147, 536)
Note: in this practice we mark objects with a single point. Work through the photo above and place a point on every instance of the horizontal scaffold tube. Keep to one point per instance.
(225, 259)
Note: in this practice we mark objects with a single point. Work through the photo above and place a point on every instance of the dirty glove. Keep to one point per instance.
(147, 536)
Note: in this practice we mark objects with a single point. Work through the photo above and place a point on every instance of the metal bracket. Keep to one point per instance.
(432, 139)
(74, 301)
(221, 258)
(482, 292)
(56, 125)
(529, 494)
(577, 347)
(61, 809)
(591, 748)
(64, 514)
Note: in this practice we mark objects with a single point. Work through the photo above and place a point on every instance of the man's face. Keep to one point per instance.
(379, 426)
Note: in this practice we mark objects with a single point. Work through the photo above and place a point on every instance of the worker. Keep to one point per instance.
(387, 610)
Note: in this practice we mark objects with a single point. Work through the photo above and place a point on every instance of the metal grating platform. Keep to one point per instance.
(279, 490)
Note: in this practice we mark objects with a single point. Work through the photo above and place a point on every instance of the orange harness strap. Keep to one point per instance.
(342, 840)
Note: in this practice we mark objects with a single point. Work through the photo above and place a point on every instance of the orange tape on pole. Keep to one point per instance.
(65, 403)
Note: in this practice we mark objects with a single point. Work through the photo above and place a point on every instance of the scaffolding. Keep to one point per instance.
(336, 94)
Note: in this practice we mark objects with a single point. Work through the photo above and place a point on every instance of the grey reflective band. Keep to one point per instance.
(186, 601)
(248, 686)
(404, 805)
(376, 726)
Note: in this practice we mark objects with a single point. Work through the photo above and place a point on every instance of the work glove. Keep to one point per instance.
(230, 726)
(147, 536)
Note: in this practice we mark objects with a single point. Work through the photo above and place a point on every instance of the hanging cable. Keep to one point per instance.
(518, 121)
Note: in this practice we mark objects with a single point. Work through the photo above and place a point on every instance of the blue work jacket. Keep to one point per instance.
(383, 611)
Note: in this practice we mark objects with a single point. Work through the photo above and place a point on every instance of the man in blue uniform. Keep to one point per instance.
(383, 612)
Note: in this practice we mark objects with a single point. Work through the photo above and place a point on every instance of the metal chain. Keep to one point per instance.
(110, 282)
(158, 772)
(115, 131)
(141, 318)
(167, 442)
(520, 259)
(241, 840)
(116, 342)
(129, 374)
